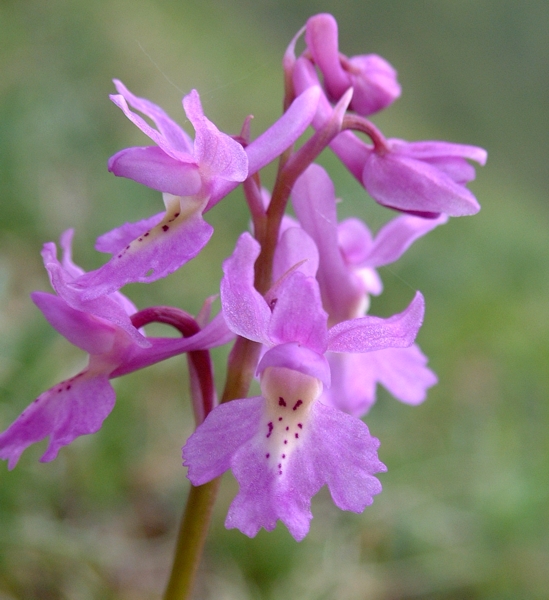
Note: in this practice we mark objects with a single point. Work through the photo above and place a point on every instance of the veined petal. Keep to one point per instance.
(151, 166)
(263, 500)
(111, 307)
(367, 334)
(178, 238)
(245, 310)
(297, 313)
(209, 450)
(151, 132)
(394, 238)
(117, 239)
(75, 407)
(354, 240)
(412, 185)
(174, 135)
(436, 149)
(295, 247)
(402, 371)
(217, 153)
(341, 453)
(95, 336)
(263, 466)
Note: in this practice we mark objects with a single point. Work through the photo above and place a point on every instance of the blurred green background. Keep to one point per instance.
(463, 514)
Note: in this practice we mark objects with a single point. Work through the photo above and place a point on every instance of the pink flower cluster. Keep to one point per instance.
(297, 289)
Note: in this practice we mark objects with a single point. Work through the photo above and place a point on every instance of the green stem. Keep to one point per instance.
(191, 538)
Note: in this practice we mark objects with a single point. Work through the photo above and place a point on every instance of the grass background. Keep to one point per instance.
(463, 514)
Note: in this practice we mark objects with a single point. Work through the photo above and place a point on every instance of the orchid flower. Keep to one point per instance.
(373, 79)
(193, 178)
(79, 405)
(284, 445)
(422, 178)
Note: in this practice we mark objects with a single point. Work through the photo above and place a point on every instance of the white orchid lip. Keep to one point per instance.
(289, 395)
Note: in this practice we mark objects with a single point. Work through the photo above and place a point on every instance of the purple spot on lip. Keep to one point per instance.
(285, 441)
(146, 234)
(297, 435)
(270, 426)
(165, 227)
(281, 401)
(280, 418)
(267, 455)
(297, 404)
(287, 429)
(300, 425)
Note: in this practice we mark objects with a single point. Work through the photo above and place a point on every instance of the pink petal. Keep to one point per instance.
(208, 452)
(394, 238)
(171, 131)
(178, 238)
(297, 314)
(375, 84)
(245, 310)
(412, 185)
(298, 358)
(295, 247)
(117, 239)
(217, 154)
(152, 133)
(152, 167)
(341, 453)
(95, 336)
(111, 307)
(321, 36)
(75, 407)
(367, 334)
(284, 132)
(402, 371)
